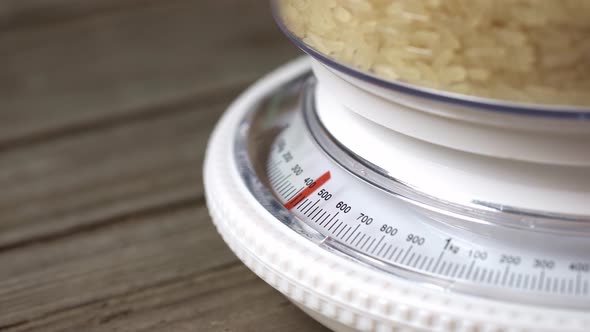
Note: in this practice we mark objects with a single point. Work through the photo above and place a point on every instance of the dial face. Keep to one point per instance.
(382, 230)
(356, 255)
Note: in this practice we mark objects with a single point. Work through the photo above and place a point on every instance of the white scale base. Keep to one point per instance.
(341, 294)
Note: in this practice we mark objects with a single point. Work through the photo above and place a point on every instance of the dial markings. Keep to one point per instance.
(351, 234)
(308, 191)
(360, 223)
(378, 243)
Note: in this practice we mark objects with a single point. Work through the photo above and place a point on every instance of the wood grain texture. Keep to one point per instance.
(79, 180)
(143, 273)
(105, 111)
(122, 62)
(18, 14)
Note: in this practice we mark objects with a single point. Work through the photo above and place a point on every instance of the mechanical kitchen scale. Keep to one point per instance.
(381, 206)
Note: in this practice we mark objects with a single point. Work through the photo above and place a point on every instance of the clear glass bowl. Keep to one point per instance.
(507, 56)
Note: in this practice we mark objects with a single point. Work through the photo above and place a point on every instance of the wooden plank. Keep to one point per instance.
(72, 183)
(167, 271)
(30, 14)
(135, 267)
(105, 66)
(105, 111)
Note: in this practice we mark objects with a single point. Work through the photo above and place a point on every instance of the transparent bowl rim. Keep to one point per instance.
(566, 112)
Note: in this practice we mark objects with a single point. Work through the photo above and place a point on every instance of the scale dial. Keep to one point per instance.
(358, 258)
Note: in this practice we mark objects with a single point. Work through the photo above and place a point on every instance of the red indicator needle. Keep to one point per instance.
(308, 191)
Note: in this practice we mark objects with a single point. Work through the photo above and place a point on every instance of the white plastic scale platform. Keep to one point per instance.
(380, 209)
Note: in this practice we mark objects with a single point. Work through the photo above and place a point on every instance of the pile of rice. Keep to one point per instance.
(533, 51)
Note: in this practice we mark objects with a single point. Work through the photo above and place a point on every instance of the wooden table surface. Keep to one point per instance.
(105, 110)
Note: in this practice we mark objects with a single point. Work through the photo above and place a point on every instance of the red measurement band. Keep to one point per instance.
(308, 191)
